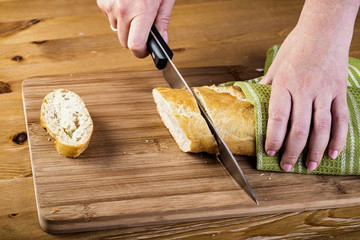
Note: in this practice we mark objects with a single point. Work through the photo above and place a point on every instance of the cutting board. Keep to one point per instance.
(134, 174)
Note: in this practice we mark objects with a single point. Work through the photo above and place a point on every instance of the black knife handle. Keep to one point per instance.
(156, 46)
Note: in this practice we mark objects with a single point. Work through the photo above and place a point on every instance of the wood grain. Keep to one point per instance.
(74, 37)
(20, 222)
(134, 174)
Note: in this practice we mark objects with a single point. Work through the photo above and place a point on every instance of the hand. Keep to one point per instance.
(133, 20)
(308, 88)
(309, 80)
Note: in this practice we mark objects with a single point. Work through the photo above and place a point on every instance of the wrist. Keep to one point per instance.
(328, 23)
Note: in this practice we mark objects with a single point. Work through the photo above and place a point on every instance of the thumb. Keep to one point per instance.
(266, 80)
(163, 17)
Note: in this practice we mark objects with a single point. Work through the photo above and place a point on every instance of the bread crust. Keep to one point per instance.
(68, 150)
(180, 114)
(232, 114)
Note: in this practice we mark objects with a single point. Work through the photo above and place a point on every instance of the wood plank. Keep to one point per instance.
(79, 41)
(134, 174)
(14, 153)
(18, 221)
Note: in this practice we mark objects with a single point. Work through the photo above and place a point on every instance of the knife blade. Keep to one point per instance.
(162, 57)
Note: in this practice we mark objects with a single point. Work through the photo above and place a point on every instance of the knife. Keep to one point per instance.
(162, 57)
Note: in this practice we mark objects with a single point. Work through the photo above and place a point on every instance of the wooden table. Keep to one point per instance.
(52, 37)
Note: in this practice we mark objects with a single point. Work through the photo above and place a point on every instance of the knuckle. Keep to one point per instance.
(342, 118)
(316, 154)
(277, 116)
(300, 130)
(340, 140)
(121, 10)
(338, 143)
(146, 7)
(164, 20)
(273, 144)
(323, 124)
(291, 156)
(141, 7)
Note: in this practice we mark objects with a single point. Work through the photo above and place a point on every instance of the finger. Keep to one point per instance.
(339, 126)
(279, 111)
(163, 18)
(123, 32)
(320, 132)
(298, 134)
(266, 80)
(113, 22)
(269, 77)
(123, 14)
(139, 32)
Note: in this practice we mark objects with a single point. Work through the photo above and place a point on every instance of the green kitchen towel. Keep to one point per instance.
(348, 161)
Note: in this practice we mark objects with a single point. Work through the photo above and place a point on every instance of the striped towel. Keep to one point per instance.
(348, 161)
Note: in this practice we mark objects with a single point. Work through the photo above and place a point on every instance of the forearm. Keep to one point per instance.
(328, 23)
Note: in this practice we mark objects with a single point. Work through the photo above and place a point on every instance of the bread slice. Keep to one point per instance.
(180, 114)
(232, 114)
(66, 118)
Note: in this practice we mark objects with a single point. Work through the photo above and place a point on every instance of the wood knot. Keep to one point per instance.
(20, 138)
(340, 188)
(88, 215)
(34, 21)
(4, 87)
(13, 215)
(178, 50)
(39, 42)
(17, 58)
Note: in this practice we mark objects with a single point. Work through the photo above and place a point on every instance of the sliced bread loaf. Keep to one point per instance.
(232, 114)
(180, 114)
(230, 111)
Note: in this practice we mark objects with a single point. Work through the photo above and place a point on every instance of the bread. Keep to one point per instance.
(180, 114)
(232, 114)
(66, 118)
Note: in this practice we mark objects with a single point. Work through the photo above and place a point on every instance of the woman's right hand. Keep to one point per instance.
(133, 20)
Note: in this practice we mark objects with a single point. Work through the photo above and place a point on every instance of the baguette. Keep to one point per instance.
(180, 114)
(232, 114)
(66, 118)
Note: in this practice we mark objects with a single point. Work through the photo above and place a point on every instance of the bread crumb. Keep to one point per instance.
(49, 139)
(262, 174)
(54, 210)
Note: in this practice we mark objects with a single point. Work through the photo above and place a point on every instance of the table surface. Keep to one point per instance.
(57, 37)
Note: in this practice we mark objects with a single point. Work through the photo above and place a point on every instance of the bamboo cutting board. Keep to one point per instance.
(134, 174)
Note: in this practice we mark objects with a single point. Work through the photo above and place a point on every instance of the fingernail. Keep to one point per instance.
(287, 167)
(165, 36)
(333, 154)
(312, 165)
(271, 153)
